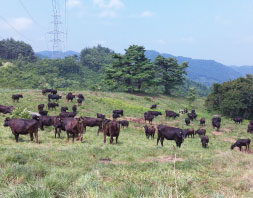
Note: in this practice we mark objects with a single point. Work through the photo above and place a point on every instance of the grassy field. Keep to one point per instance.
(138, 168)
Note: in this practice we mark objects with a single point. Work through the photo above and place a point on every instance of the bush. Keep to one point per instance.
(20, 113)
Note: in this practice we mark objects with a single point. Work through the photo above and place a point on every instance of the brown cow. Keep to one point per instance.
(75, 127)
(111, 129)
(92, 122)
(6, 109)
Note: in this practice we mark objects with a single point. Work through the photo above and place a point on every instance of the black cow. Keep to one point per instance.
(190, 116)
(93, 122)
(46, 121)
(187, 121)
(52, 105)
(204, 140)
(188, 132)
(202, 121)
(16, 97)
(53, 91)
(44, 91)
(238, 120)
(75, 127)
(154, 106)
(23, 127)
(67, 114)
(120, 112)
(201, 132)
(80, 96)
(59, 125)
(53, 97)
(240, 143)
(79, 101)
(74, 108)
(155, 113)
(148, 117)
(43, 113)
(250, 127)
(64, 109)
(112, 129)
(216, 122)
(171, 114)
(149, 131)
(41, 107)
(170, 133)
(115, 116)
(6, 109)
(99, 115)
(70, 97)
(124, 123)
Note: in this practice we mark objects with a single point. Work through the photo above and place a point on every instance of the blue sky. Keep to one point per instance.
(207, 29)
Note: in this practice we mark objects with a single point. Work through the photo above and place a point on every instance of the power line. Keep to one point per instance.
(29, 14)
(66, 24)
(22, 35)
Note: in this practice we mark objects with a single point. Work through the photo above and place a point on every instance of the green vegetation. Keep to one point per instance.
(138, 168)
(233, 98)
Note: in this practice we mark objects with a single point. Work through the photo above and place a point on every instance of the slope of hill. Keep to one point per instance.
(57, 54)
(243, 70)
(203, 71)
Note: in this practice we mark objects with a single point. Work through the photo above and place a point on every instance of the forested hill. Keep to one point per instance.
(206, 71)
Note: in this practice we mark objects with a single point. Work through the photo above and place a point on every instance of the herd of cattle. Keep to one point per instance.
(75, 125)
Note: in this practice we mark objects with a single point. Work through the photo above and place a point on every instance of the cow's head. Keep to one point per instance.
(7, 122)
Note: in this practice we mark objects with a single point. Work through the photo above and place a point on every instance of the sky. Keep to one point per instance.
(220, 30)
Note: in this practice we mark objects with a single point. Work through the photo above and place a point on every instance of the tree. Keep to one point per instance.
(191, 95)
(131, 71)
(170, 73)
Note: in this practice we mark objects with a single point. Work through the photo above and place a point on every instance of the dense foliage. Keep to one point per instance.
(11, 49)
(233, 98)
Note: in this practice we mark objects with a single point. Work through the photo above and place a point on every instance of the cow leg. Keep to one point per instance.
(162, 139)
(31, 136)
(67, 136)
(158, 139)
(73, 138)
(111, 139)
(117, 139)
(104, 137)
(36, 136)
(81, 137)
(98, 130)
(16, 136)
(55, 131)
(240, 148)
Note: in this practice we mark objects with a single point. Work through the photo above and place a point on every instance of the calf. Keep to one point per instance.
(201, 132)
(74, 108)
(154, 106)
(188, 132)
(238, 120)
(241, 142)
(52, 106)
(99, 115)
(204, 140)
(93, 122)
(23, 127)
(124, 123)
(171, 114)
(155, 113)
(120, 112)
(6, 109)
(148, 117)
(16, 97)
(187, 121)
(53, 97)
(112, 129)
(79, 101)
(43, 113)
(202, 121)
(41, 107)
(80, 96)
(216, 122)
(170, 133)
(64, 109)
(70, 97)
(149, 131)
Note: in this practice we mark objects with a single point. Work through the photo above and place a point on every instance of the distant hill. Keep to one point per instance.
(206, 71)
(57, 54)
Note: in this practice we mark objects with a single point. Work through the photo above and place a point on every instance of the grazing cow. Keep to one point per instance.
(149, 131)
(70, 97)
(43, 113)
(124, 123)
(170, 133)
(53, 97)
(79, 101)
(112, 129)
(44, 91)
(202, 121)
(53, 91)
(52, 105)
(171, 114)
(115, 116)
(80, 96)
(99, 115)
(16, 97)
(148, 117)
(187, 121)
(64, 109)
(74, 108)
(155, 113)
(204, 140)
(67, 114)
(238, 120)
(41, 107)
(93, 122)
(154, 106)
(190, 116)
(250, 127)
(216, 121)
(201, 132)
(120, 112)
(6, 109)
(188, 132)
(23, 127)
(241, 142)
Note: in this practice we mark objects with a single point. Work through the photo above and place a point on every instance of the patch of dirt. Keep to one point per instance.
(109, 161)
(217, 133)
(162, 159)
(231, 140)
(226, 130)
(173, 122)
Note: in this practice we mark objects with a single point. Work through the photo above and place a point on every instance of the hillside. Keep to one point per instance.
(135, 167)
(57, 54)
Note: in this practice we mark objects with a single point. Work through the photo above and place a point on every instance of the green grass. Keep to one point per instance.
(55, 168)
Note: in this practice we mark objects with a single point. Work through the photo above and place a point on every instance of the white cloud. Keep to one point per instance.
(19, 23)
(108, 8)
(147, 14)
(74, 3)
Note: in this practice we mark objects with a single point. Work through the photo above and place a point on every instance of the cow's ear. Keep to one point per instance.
(7, 119)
